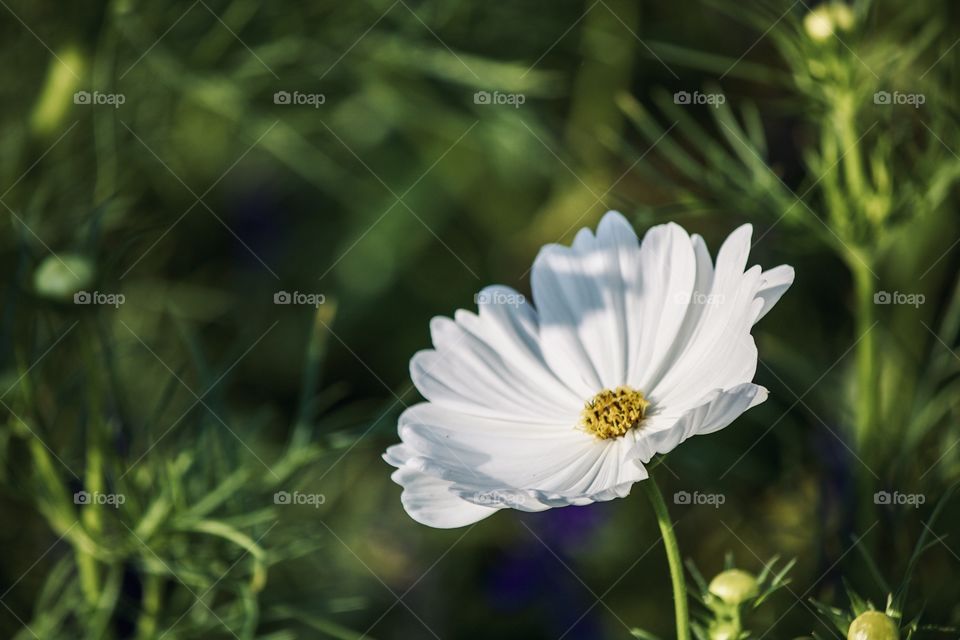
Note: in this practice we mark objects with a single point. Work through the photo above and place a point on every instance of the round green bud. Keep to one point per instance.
(823, 21)
(734, 586)
(60, 277)
(724, 631)
(842, 16)
(873, 625)
(818, 25)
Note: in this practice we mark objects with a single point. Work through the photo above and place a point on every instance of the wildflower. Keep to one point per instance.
(627, 350)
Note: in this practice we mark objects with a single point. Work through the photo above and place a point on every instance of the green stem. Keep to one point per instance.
(150, 606)
(866, 347)
(93, 483)
(673, 558)
(60, 512)
(846, 123)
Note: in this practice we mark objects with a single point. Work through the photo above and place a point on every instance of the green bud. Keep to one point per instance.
(842, 16)
(873, 625)
(56, 98)
(59, 277)
(734, 586)
(724, 631)
(825, 20)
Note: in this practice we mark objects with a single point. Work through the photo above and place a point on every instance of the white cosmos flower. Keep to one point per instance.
(628, 349)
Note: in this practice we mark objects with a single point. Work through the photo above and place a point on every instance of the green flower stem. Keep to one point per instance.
(93, 482)
(866, 347)
(673, 557)
(852, 160)
(859, 261)
(62, 517)
(150, 606)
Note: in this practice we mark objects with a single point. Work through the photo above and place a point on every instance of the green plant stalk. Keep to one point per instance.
(673, 558)
(859, 263)
(150, 606)
(99, 620)
(852, 160)
(93, 483)
(86, 564)
(59, 512)
(866, 347)
(89, 582)
(58, 509)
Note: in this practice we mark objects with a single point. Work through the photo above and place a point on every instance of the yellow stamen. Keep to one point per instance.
(610, 414)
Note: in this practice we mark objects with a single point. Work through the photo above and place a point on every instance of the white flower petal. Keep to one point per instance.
(704, 263)
(430, 501)
(610, 309)
(605, 472)
(776, 281)
(662, 433)
(576, 335)
(491, 364)
(489, 452)
(668, 275)
(485, 456)
(719, 351)
(398, 454)
(698, 299)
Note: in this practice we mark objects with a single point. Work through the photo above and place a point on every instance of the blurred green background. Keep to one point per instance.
(390, 159)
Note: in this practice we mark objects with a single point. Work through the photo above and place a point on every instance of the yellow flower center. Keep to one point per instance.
(610, 414)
